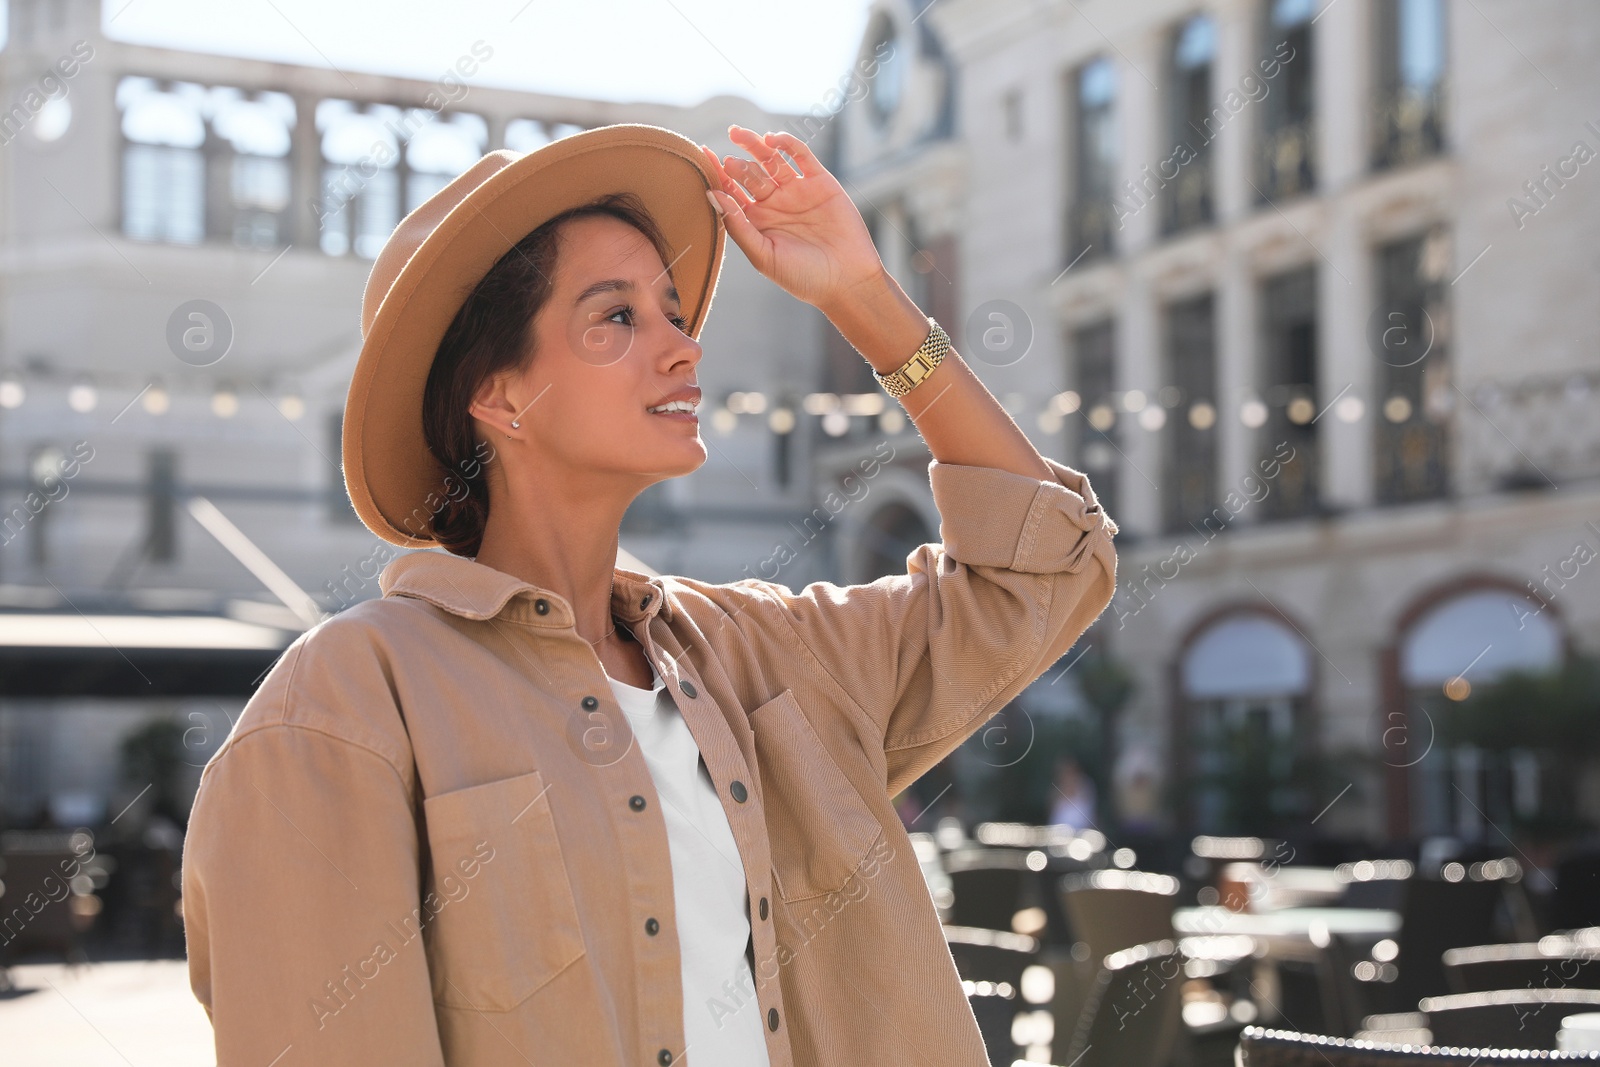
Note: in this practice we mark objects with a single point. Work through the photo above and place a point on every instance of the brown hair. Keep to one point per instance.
(491, 333)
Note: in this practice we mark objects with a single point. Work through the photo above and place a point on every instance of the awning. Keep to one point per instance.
(57, 654)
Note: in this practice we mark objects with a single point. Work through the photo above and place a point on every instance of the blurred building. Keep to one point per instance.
(184, 242)
(1310, 291)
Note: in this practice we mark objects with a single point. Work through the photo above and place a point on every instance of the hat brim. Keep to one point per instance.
(394, 481)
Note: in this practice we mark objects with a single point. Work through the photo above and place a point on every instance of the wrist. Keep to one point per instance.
(879, 320)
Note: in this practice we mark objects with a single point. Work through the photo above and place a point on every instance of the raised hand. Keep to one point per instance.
(794, 222)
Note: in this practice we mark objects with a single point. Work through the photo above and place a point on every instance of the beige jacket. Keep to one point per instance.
(430, 840)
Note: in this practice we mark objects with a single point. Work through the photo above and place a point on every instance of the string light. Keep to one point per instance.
(82, 397)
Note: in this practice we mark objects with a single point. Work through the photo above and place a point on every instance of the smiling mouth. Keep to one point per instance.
(677, 409)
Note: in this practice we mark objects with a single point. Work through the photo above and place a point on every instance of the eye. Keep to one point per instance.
(629, 311)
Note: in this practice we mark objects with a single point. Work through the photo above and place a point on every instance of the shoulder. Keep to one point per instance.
(336, 683)
(750, 601)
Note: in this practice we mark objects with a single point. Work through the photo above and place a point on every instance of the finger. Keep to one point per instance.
(726, 183)
(771, 162)
(716, 164)
(754, 178)
(797, 150)
(742, 230)
(779, 165)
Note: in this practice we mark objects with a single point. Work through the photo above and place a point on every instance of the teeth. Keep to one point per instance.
(675, 405)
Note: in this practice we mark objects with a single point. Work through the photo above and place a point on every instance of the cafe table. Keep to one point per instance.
(1288, 933)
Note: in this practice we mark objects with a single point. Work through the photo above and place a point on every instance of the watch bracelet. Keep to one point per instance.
(898, 382)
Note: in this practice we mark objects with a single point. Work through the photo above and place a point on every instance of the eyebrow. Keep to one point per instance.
(611, 285)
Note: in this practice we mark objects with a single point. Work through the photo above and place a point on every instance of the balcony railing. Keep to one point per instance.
(1091, 223)
(1285, 161)
(1408, 127)
(1533, 432)
(1188, 197)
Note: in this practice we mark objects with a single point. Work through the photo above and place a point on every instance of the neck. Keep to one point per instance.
(554, 534)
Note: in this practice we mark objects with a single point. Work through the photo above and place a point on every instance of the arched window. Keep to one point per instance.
(1477, 637)
(1246, 686)
(1462, 643)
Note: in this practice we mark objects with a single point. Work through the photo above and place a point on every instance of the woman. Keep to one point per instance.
(533, 807)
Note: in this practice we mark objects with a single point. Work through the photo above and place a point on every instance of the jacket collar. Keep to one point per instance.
(472, 590)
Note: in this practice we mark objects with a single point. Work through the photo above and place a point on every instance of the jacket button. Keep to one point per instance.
(636, 802)
(590, 703)
(772, 1018)
(542, 606)
(738, 790)
(664, 1057)
(763, 907)
(651, 926)
(687, 687)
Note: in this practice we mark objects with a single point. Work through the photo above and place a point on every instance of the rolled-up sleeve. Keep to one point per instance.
(300, 886)
(1024, 566)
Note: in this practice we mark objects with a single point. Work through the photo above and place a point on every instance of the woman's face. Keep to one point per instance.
(608, 346)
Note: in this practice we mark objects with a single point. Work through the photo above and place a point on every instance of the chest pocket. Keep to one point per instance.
(504, 920)
(820, 828)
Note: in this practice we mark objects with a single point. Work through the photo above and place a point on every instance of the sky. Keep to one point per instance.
(669, 51)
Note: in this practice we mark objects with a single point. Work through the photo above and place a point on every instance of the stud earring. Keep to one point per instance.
(515, 425)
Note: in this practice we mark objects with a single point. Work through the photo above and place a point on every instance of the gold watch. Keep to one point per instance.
(914, 371)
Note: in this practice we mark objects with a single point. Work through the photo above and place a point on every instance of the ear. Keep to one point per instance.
(495, 405)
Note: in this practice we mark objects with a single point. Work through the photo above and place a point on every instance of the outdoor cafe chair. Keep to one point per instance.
(991, 964)
(1114, 909)
(1133, 1014)
(1260, 1047)
(1506, 1018)
(1547, 964)
(989, 886)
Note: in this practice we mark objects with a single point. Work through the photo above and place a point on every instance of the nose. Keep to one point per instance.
(680, 350)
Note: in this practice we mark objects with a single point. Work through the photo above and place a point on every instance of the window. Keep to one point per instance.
(1285, 151)
(1410, 335)
(1408, 114)
(1091, 215)
(525, 135)
(1248, 759)
(379, 162)
(251, 164)
(439, 150)
(888, 86)
(1468, 642)
(202, 162)
(1094, 350)
(1189, 483)
(163, 162)
(1187, 169)
(1289, 390)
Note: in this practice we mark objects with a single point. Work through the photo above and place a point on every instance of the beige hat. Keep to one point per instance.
(441, 250)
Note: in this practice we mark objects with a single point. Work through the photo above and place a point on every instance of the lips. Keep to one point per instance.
(679, 405)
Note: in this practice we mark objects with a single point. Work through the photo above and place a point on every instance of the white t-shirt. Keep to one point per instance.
(708, 885)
